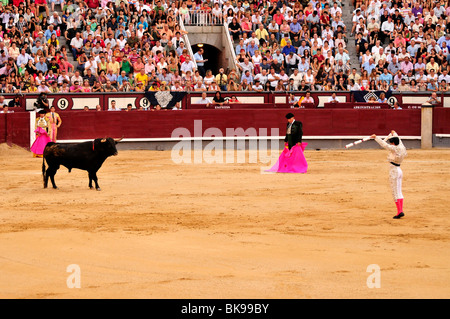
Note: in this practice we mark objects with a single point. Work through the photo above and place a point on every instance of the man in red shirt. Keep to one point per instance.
(246, 26)
(278, 17)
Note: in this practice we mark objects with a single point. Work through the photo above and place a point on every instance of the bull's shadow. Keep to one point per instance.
(88, 156)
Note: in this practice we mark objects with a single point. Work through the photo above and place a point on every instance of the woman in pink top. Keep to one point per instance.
(86, 87)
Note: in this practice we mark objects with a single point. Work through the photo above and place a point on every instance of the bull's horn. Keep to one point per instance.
(118, 139)
(103, 140)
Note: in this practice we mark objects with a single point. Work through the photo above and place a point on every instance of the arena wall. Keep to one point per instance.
(324, 127)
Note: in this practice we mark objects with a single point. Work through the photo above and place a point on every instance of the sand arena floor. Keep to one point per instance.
(164, 230)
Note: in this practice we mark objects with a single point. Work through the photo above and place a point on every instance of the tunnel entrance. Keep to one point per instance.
(215, 57)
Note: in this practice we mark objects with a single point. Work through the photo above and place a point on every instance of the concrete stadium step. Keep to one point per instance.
(347, 16)
(61, 38)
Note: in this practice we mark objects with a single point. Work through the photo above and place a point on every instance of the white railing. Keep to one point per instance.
(187, 43)
(201, 18)
(232, 48)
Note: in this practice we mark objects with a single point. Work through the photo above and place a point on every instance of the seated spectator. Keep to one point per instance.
(434, 99)
(75, 87)
(204, 100)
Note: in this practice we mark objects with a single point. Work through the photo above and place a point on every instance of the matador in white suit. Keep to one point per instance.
(397, 152)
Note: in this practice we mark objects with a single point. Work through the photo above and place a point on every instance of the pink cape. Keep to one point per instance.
(40, 142)
(291, 160)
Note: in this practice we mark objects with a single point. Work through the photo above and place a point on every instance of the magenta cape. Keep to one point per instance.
(291, 160)
(41, 140)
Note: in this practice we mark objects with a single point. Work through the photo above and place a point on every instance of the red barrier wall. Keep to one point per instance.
(160, 124)
(441, 120)
(17, 129)
(3, 128)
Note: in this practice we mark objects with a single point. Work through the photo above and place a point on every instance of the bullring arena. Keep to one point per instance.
(160, 229)
(164, 230)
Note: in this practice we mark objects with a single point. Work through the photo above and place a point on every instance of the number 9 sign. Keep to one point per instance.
(144, 103)
(392, 100)
(62, 103)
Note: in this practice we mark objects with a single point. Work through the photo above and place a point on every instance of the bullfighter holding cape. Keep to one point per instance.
(42, 137)
(292, 159)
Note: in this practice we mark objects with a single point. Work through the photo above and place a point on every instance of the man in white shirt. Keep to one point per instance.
(409, 18)
(246, 65)
(341, 55)
(157, 47)
(204, 100)
(292, 60)
(444, 77)
(376, 48)
(91, 64)
(335, 9)
(187, 65)
(76, 77)
(77, 45)
(257, 86)
(379, 56)
(142, 6)
(333, 98)
(261, 77)
(303, 66)
(297, 77)
(23, 58)
(43, 87)
(111, 40)
(386, 28)
(355, 20)
(63, 77)
(389, 49)
(113, 106)
(327, 32)
(432, 16)
(177, 39)
(273, 78)
(274, 28)
(434, 46)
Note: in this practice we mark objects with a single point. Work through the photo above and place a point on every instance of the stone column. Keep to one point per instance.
(426, 126)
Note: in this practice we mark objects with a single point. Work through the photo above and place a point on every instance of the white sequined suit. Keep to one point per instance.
(396, 155)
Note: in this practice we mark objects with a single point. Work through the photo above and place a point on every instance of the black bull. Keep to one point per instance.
(88, 156)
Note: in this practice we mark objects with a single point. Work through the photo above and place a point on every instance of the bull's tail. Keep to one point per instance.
(44, 174)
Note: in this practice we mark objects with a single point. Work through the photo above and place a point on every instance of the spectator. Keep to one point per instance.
(200, 61)
(218, 99)
(204, 100)
(75, 87)
(434, 99)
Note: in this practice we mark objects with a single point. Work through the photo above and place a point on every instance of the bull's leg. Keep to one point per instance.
(93, 177)
(50, 173)
(52, 178)
(90, 180)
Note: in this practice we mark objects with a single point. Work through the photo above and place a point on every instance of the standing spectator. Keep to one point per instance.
(54, 122)
(198, 57)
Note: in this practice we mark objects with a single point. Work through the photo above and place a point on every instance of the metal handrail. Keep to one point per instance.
(231, 45)
(187, 43)
(202, 18)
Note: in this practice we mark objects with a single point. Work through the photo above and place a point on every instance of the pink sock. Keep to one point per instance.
(397, 204)
(401, 204)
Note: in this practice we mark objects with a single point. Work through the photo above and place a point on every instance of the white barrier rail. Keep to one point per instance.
(187, 43)
(201, 18)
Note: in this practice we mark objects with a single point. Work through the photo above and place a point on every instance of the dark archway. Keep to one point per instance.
(215, 57)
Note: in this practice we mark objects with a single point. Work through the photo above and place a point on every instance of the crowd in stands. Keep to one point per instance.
(137, 45)
(402, 45)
